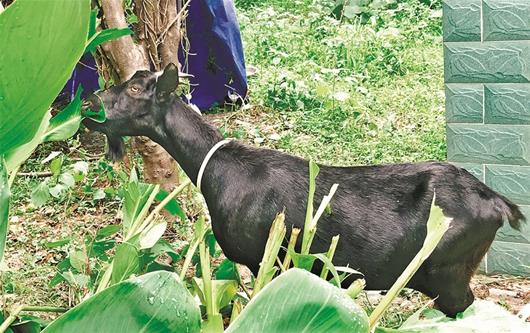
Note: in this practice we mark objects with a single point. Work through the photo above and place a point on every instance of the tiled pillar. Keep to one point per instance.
(487, 76)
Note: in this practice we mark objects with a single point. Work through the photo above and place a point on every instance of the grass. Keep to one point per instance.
(337, 91)
(353, 93)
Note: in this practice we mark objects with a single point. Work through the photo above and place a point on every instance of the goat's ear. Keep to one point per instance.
(168, 81)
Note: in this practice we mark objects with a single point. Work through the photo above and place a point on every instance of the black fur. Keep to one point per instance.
(380, 212)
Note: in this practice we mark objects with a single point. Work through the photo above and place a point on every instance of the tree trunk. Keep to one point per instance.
(127, 57)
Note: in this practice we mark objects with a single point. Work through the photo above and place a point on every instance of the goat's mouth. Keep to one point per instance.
(94, 115)
(96, 121)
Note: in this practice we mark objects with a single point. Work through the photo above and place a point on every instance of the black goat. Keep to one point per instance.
(380, 212)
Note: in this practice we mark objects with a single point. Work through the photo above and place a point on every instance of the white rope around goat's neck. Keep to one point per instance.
(207, 159)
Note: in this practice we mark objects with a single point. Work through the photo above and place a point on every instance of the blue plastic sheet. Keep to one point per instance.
(215, 56)
(216, 53)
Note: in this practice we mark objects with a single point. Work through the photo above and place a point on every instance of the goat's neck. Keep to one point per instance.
(187, 137)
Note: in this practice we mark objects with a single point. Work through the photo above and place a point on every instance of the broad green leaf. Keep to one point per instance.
(39, 53)
(172, 206)
(126, 262)
(298, 301)
(152, 303)
(302, 261)
(15, 157)
(98, 194)
(56, 165)
(78, 260)
(78, 280)
(26, 326)
(57, 190)
(163, 247)
(51, 156)
(135, 199)
(481, 316)
(150, 235)
(40, 194)
(107, 231)
(103, 36)
(61, 242)
(97, 116)
(352, 11)
(81, 167)
(223, 291)
(65, 123)
(67, 179)
(4, 206)
(92, 25)
(227, 271)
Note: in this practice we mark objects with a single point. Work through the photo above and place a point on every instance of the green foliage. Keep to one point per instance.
(309, 230)
(66, 123)
(360, 8)
(61, 183)
(173, 207)
(481, 316)
(138, 197)
(105, 35)
(154, 302)
(267, 268)
(39, 54)
(343, 92)
(298, 301)
(223, 291)
(4, 206)
(126, 262)
(15, 157)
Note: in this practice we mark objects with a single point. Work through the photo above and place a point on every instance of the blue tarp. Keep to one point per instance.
(215, 57)
(216, 53)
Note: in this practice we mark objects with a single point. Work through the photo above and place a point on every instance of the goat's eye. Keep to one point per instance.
(134, 89)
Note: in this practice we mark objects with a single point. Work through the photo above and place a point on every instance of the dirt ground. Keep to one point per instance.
(512, 292)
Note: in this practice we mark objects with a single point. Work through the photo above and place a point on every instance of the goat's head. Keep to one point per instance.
(135, 107)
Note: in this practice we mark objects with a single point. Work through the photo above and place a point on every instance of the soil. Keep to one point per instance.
(512, 292)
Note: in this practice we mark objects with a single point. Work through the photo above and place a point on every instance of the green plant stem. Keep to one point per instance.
(292, 242)
(24, 308)
(355, 288)
(162, 204)
(13, 175)
(313, 172)
(139, 226)
(241, 283)
(272, 248)
(309, 234)
(330, 254)
(133, 230)
(191, 250)
(105, 279)
(207, 280)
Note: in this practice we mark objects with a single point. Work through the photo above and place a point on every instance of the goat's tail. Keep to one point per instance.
(510, 211)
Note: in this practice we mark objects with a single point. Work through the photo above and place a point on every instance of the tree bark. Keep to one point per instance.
(128, 57)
